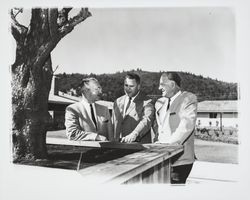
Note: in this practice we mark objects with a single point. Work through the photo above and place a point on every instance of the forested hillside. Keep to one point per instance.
(112, 85)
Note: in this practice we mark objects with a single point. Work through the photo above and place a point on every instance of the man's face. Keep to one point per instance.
(167, 87)
(131, 88)
(95, 91)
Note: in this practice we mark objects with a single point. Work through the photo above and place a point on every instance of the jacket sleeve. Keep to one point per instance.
(73, 129)
(155, 130)
(146, 121)
(188, 115)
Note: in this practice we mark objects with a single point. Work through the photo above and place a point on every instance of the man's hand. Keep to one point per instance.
(100, 138)
(129, 138)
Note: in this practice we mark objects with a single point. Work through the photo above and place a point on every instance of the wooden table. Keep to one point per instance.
(150, 164)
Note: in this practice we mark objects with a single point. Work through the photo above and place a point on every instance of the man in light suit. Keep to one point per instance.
(88, 120)
(133, 113)
(176, 114)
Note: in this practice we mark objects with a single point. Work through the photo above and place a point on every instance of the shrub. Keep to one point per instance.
(227, 135)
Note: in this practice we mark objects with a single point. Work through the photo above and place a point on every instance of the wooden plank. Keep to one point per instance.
(57, 134)
(59, 138)
(118, 145)
(161, 173)
(156, 173)
(121, 170)
(167, 171)
(149, 165)
(147, 176)
(135, 180)
(63, 141)
(94, 144)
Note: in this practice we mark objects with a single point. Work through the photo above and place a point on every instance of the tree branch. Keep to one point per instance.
(19, 10)
(68, 27)
(63, 16)
(45, 50)
(55, 69)
(17, 30)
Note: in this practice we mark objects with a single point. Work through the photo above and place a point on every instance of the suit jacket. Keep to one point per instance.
(79, 125)
(179, 125)
(139, 118)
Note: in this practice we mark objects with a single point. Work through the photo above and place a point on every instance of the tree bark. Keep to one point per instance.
(31, 78)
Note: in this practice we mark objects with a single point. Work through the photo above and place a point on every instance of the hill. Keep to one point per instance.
(112, 85)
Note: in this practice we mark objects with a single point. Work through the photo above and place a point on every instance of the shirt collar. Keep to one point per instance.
(175, 96)
(85, 102)
(132, 98)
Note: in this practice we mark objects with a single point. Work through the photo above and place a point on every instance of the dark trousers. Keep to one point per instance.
(180, 173)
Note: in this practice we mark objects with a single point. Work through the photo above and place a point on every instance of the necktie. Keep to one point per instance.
(93, 114)
(128, 104)
(169, 100)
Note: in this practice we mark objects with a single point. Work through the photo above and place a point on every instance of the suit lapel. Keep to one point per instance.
(120, 105)
(160, 105)
(165, 112)
(85, 113)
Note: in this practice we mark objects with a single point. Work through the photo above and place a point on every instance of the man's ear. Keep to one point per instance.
(139, 86)
(173, 84)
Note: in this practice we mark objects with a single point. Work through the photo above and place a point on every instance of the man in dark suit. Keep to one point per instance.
(176, 113)
(133, 113)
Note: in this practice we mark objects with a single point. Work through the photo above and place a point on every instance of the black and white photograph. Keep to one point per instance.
(117, 96)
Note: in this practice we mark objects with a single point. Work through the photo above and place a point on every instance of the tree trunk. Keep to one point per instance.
(31, 77)
(30, 90)
(30, 114)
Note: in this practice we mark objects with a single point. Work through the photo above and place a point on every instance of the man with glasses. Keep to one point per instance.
(133, 113)
(176, 113)
(87, 119)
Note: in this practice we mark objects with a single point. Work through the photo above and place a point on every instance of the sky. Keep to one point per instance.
(190, 39)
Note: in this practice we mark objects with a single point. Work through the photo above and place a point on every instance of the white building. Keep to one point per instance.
(217, 114)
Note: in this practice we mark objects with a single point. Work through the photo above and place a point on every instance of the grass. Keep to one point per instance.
(216, 152)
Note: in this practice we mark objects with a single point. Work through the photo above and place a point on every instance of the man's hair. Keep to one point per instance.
(133, 76)
(173, 76)
(83, 86)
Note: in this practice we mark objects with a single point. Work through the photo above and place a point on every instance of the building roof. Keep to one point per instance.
(60, 100)
(63, 98)
(70, 97)
(108, 104)
(218, 106)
